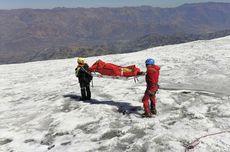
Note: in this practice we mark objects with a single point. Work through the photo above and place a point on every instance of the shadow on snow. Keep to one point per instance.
(123, 107)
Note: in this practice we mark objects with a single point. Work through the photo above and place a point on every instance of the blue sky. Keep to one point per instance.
(12, 4)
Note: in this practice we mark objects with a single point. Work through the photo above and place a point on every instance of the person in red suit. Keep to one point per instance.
(151, 78)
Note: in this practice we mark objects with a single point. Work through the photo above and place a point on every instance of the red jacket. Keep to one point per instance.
(152, 76)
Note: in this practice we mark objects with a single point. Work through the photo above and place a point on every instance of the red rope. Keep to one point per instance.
(193, 144)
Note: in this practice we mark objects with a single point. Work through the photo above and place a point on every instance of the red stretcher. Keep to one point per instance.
(109, 70)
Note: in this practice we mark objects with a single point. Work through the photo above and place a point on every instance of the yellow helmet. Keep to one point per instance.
(80, 60)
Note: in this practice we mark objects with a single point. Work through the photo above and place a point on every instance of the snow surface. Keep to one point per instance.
(40, 111)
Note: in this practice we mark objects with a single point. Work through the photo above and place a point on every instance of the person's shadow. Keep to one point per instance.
(123, 107)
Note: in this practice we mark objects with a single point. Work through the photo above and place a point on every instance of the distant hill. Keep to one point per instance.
(148, 41)
(26, 34)
(153, 40)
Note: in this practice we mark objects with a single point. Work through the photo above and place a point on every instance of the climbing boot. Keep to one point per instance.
(147, 115)
(154, 111)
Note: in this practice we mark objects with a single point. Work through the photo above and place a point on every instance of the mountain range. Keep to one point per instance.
(37, 34)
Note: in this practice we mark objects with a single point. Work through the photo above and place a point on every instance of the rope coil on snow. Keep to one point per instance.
(193, 144)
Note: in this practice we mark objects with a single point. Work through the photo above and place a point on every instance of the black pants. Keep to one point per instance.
(85, 92)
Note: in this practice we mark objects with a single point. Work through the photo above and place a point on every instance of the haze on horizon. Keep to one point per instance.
(47, 4)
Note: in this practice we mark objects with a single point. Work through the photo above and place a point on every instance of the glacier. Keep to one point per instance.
(40, 110)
